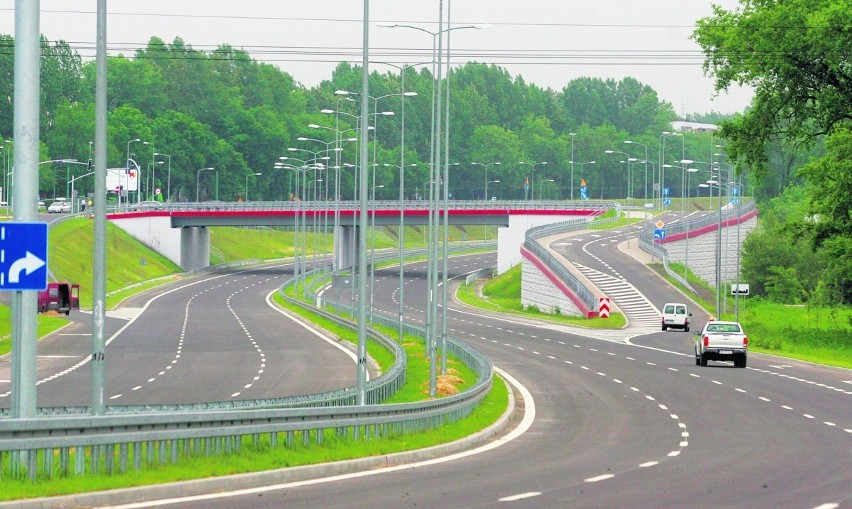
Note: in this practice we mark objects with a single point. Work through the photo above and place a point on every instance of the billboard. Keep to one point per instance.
(123, 179)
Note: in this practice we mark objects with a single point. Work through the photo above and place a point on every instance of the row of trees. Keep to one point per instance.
(226, 111)
(798, 129)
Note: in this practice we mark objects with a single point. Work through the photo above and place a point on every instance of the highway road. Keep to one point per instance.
(612, 418)
(212, 337)
(618, 418)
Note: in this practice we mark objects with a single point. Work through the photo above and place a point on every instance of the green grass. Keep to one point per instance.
(502, 294)
(816, 334)
(128, 262)
(46, 323)
(260, 456)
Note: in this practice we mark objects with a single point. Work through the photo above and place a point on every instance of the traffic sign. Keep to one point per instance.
(741, 289)
(659, 234)
(659, 223)
(23, 256)
(667, 201)
(665, 191)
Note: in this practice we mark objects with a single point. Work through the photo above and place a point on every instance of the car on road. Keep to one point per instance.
(59, 206)
(721, 341)
(675, 316)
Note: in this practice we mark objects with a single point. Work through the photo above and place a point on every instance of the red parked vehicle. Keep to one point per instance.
(59, 297)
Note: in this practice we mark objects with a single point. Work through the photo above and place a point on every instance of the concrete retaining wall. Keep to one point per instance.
(698, 250)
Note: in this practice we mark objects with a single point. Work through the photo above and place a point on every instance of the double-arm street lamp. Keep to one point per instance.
(197, 177)
(435, 166)
(629, 142)
(532, 176)
(663, 165)
(627, 158)
(486, 165)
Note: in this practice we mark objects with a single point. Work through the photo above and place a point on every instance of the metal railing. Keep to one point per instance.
(555, 265)
(66, 441)
(647, 243)
(349, 205)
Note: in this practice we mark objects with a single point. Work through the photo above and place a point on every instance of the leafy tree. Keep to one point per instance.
(61, 70)
(7, 84)
(831, 208)
(796, 55)
(783, 285)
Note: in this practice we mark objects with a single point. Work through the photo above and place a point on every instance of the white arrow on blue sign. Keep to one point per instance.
(659, 233)
(23, 256)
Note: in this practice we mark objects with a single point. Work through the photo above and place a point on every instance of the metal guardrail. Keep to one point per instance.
(128, 436)
(531, 244)
(349, 205)
(646, 236)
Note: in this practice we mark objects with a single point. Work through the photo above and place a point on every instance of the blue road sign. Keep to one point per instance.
(667, 201)
(584, 193)
(23, 256)
(665, 191)
(659, 233)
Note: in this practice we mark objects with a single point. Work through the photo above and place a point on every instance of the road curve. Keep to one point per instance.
(623, 419)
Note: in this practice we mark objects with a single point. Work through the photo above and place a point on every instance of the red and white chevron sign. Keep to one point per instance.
(603, 307)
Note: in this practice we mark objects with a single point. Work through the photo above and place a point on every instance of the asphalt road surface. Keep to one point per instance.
(207, 338)
(621, 419)
(613, 418)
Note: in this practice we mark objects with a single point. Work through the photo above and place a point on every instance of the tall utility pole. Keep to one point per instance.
(361, 379)
(99, 256)
(25, 185)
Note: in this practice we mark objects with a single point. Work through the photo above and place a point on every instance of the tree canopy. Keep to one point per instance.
(798, 56)
(796, 53)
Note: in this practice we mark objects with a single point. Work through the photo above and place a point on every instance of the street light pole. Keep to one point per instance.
(247, 177)
(486, 165)
(169, 178)
(645, 197)
(627, 156)
(532, 176)
(490, 182)
(572, 135)
(197, 177)
(540, 184)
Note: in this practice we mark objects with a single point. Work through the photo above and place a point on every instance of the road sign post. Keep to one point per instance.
(23, 256)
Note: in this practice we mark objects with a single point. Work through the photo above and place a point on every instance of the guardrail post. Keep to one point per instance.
(93, 459)
(32, 464)
(122, 457)
(137, 455)
(64, 462)
(47, 467)
(109, 458)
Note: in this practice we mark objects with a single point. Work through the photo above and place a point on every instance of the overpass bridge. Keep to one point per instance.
(179, 231)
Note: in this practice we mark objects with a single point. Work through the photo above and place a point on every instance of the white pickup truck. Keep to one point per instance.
(721, 341)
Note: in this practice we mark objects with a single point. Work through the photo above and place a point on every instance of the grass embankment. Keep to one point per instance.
(261, 456)
(810, 333)
(503, 294)
(256, 456)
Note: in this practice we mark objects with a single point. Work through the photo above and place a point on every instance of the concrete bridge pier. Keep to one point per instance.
(345, 247)
(195, 247)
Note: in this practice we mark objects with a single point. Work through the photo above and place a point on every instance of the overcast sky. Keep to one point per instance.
(547, 42)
